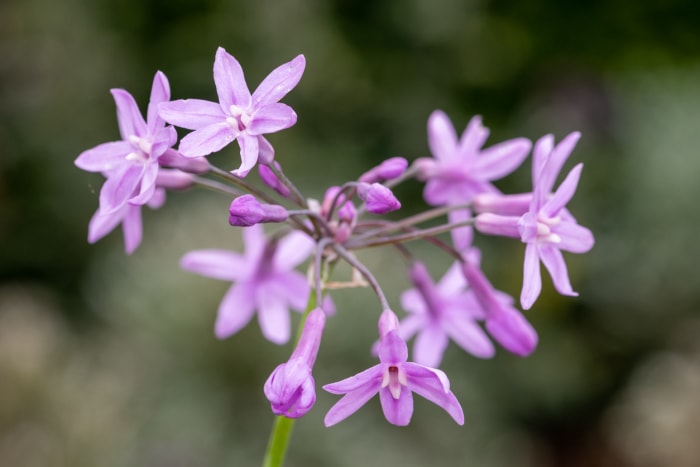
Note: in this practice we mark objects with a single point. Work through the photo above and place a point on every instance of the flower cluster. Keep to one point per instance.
(462, 306)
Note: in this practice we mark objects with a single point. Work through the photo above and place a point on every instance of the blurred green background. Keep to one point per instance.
(111, 361)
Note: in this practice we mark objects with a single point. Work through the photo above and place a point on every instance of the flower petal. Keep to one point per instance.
(430, 345)
(553, 164)
(101, 224)
(132, 228)
(392, 349)
(574, 238)
(468, 335)
(293, 286)
(461, 236)
(513, 332)
(207, 140)
(293, 250)
(249, 154)
(532, 280)
(217, 264)
(563, 194)
(230, 82)
(501, 159)
(433, 385)
(279, 82)
(235, 311)
(397, 411)
(192, 114)
(128, 115)
(148, 184)
(351, 402)
(554, 262)
(442, 137)
(160, 92)
(104, 157)
(273, 315)
(473, 138)
(119, 187)
(368, 377)
(272, 118)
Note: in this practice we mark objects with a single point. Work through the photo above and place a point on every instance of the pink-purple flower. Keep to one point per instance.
(263, 279)
(395, 379)
(239, 115)
(460, 169)
(290, 388)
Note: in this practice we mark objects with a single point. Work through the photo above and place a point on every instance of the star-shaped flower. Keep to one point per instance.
(238, 115)
(395, 379)
(131, 165)
(263, 278)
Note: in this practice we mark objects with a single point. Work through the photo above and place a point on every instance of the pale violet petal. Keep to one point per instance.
(412, 301)
(392, 349)
(104, 157)
(249, 154)
(207, 140)
(130, 120)
(563, 194)
(293, 286)
(160, 92)
(532, 280)
(230, 81)
(191, 114)
(102, 224)
(573, 237)
(397, 411)
(442, 137)
(272, 118)
(293, 250)
(132, 228)
(468, 335)
(254, 241)
(554, 262)
(433, 385)
(273, 315)
(119, 187)
(217, 264)
(473, 138)
(513, 332)
(351, 402)
(461, 236)
(279, 82)
(235, 311)
(368, 377)
(501, 159)
(453, 282)
(148, 185)
(430, 345)
(555, 162)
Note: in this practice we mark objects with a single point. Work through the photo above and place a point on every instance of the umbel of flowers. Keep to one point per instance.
(462, 306)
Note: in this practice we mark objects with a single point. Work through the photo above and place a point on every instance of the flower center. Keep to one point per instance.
(394, 377)
(239, 119)
(544, 229)
(143, 149)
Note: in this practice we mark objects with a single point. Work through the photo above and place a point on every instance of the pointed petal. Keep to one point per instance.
(453, 282)
(160, 92)
(532, 281)
(430, 345)
(433, 385)
(217, 264)
(564, 193)
(249, 154)
(132, 228)
(408, 327)
(273, 315)
(574, 238)
(412, 301)
(293, 286)
(472, 139)
(279, 82)
(392, 349)
(501, 159)
(554, 262)
(266, 153)
(148, 184)
(207, 140)
(442, 137)
(128, 115)
(397, 411)
(158, 199)
(461, 236)
(540, 154)
(468, 335)
(272, 118)
(292, 250)
(102, 224)
(254, 241)
(104, 157)
(513, 332)
(119, 188)
(368, 377)
(229, 80)
(351, 402)
(556, 160)
(192, 114)
(235, 311)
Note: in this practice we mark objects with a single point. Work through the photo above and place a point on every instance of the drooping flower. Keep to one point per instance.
(395, 379)
(547, 227)
(461, 169)
(238, 115)
(263, 278)
(439, 312)
(291, 387)
(131, 165)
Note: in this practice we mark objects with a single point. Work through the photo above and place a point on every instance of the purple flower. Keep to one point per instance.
(387, 170)
(546, 227)
(395, 379)
(131, 165)
(264, 280)
(291, 387)
(246, 210)
(439, 312)
(238, 114)
(378, 198)
(460, 169)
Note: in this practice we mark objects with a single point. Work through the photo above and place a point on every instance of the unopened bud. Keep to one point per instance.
(246, 211)
(378, 198)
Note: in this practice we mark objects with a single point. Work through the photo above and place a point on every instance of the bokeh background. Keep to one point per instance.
(110, 361)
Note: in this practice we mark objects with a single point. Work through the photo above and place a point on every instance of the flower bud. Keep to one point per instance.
(494, 224)
(173, 179)
(387, 170)
(195, 165)
(378, 198)
(246, 211)
(269, 178)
